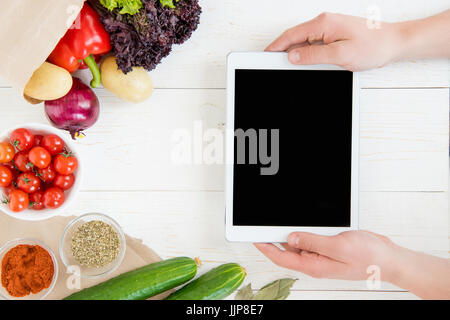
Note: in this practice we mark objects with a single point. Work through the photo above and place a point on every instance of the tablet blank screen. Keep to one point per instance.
(311, 112)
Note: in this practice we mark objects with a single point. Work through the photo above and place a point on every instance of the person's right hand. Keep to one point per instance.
(346, 41)
(344, 256)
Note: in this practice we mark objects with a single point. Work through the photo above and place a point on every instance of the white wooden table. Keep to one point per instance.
(179, 210)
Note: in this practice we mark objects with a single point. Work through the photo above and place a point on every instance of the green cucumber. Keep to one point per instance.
(216, 284)
(142, 283)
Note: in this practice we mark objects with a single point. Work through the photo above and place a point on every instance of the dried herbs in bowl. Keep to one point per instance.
(92, 245)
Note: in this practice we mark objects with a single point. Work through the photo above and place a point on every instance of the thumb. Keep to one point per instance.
(316, 54)
(324, 245)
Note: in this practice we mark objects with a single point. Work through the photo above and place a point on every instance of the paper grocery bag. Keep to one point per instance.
(30, 30)
(50, 231)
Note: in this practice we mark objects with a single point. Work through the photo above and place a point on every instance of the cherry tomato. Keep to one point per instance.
(45, 186)
(64, 182)
(47, 174)
(37, 140)
(22, 162)
(22, 139)
(9, 188)
(65, 163)
(53, 197)
(18, 200)
(15, 172)
(41, 187)
(7, 152)
(53, 144)
(6, 176)
(28, 182)
(40, 157)
(36, 200)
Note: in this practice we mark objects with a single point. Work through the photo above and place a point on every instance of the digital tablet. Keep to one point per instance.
(291, 148)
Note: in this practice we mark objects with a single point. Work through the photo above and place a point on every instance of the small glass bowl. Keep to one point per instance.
(65, 250)
(32, 242)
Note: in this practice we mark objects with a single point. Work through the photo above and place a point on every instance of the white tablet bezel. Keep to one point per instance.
(279, 61)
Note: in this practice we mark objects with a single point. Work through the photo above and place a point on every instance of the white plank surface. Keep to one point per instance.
(179, 210)
(191, 223)
(251, 25)
(404, 139)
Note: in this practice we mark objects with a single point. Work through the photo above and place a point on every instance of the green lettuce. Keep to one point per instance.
(130, 7)
(109, 4)
(168, 3)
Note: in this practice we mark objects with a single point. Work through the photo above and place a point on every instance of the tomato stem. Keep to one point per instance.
(15, 144)
(66, 154)
(14, 164)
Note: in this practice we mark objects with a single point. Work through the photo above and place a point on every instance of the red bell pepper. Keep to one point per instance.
(85, 38)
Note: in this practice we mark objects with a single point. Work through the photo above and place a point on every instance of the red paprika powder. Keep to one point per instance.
(27, 269)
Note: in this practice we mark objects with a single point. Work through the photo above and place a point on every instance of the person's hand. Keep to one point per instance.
(346, 41)
(344, 256)
(349, 255)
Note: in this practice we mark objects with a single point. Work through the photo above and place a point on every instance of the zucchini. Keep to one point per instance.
(216, 284)
(142, 283)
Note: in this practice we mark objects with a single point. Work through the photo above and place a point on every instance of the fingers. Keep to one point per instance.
(324, 245)
(295, 35)
(315, 265)
(314, 30)
(285, 259)
(318, 41)
(289, 248)
(318, 54)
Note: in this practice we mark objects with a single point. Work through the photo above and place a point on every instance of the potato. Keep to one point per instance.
(32, 100)
(49, 82)
(135, 86)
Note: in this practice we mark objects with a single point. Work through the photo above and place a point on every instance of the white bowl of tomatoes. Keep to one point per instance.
(40, 172)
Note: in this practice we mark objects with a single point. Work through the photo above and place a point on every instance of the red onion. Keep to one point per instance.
(76, 111)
